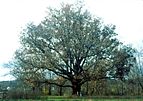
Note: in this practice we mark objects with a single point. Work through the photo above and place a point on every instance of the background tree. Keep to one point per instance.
(124, 60)
(72, 44)
(24, 70)
(136, 74)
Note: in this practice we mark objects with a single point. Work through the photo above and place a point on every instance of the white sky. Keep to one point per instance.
(15, 14)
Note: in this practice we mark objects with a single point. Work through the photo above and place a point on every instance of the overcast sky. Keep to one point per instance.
(127, 15)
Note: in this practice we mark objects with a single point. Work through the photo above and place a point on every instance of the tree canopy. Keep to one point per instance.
(73, 44)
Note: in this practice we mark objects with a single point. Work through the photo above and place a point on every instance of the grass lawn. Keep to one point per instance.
(77, 100)
(60, 98)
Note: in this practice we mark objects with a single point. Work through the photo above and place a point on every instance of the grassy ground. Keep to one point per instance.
(58, 98)
(77, 100)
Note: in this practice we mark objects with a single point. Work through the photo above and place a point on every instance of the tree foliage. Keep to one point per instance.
(74, 45)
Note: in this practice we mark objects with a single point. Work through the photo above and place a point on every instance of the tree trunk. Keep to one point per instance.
(60, 91)
(49, 92)
(141, 85)
(122, 88)
(87, 88)
(76, 88)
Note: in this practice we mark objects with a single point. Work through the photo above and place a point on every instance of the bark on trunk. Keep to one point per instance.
(49, 92)
(87, 88)
(76, 88)
(60, 91)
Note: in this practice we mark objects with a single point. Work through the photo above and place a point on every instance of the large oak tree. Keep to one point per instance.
(72, 44)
